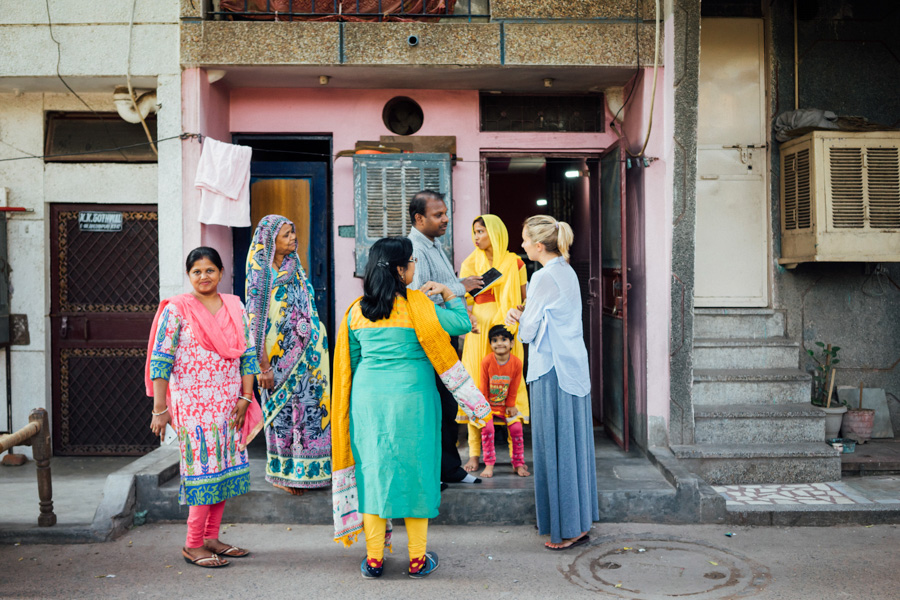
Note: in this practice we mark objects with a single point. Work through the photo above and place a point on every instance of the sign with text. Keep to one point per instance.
(99, 221)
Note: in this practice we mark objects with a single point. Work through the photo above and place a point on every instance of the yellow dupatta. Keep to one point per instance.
(507, 290)
(436, 344)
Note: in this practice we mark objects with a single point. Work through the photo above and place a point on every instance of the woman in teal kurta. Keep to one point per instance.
(394, 413)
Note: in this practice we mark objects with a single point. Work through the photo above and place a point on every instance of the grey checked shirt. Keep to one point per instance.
(433, 265)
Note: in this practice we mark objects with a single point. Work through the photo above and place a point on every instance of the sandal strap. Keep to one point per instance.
(200, 561)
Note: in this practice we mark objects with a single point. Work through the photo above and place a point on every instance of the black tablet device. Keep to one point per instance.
(489, 277)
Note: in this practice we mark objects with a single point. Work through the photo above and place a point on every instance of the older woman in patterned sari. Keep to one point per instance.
(293, 354)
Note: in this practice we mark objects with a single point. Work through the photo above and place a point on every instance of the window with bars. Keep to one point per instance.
(383, 187)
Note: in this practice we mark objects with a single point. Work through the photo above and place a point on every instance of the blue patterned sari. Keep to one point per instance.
(285, 325)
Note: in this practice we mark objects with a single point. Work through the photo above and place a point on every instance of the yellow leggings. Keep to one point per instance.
(416, 531)
(475, 441)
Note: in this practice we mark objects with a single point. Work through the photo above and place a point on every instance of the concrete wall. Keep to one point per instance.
(683, 53)
(93, 47)
(849, 51)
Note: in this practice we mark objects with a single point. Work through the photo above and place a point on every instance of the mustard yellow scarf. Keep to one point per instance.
(436, 344)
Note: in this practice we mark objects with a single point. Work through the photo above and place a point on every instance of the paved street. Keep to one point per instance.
(645, 562)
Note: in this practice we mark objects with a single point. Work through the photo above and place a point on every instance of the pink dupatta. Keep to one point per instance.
(222, 333)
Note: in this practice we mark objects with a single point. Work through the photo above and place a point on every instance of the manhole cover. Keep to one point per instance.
(658, 567)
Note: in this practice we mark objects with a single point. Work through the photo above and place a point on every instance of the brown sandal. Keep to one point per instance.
(207, 562)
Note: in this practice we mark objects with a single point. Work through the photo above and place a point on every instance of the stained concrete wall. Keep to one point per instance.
(92, 52)
(850, 63)
(682, 150)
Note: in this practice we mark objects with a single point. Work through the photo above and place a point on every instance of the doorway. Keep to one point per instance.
(290, 175)
(104, 286)
(586, 191)
(732, 245)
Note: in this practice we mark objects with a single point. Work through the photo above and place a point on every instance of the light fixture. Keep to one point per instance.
(548, 82)
(541, 202)
(573, 174)
(324, 79)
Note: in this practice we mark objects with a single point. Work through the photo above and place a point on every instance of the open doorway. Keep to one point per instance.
(586, 191)
(290, 175)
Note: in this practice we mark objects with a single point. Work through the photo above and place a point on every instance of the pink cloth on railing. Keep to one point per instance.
(223, 178)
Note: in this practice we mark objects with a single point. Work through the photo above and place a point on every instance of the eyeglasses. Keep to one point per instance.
(413, 260)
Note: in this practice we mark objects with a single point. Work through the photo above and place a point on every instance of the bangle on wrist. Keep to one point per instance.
(244, 398)
(263, 372)
(162, 412)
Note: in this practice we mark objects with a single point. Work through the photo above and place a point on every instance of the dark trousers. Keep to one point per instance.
(451, 464)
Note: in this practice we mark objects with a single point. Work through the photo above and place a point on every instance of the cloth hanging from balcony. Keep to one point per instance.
(223, 178)
(342, 10)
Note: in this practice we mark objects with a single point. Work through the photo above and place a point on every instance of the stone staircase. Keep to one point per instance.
(753, 422)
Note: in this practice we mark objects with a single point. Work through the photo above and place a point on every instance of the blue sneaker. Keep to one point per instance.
(370, 572)
(427, 565)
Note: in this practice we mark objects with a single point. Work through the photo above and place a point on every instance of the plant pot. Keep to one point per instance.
(859, 422)
(833, 418)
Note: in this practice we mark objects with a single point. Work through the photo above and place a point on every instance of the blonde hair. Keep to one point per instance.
(556, 236)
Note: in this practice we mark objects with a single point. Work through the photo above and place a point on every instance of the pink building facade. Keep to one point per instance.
(346, 115)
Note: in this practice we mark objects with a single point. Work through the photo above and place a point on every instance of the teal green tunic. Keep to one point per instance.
(395, 412)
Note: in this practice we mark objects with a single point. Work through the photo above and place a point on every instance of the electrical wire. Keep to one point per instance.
(652, 95)
(68, 87)
(102, 151)
(128, 79)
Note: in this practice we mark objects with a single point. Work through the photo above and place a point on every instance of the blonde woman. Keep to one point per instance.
(562, 433)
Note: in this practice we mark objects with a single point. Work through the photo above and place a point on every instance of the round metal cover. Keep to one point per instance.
(662, 567)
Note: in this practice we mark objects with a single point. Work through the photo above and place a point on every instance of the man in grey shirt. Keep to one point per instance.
(428, 213)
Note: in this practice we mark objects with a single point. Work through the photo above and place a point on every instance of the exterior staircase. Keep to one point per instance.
(753, 422)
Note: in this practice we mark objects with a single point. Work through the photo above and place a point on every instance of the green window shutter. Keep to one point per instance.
(383, 185)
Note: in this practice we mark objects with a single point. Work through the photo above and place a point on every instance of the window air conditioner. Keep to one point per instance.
(840, 198)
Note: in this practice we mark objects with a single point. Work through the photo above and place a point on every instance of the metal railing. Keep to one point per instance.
(349, 10)
(37, 435)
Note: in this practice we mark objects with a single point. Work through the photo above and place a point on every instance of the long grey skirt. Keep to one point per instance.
(565, 468)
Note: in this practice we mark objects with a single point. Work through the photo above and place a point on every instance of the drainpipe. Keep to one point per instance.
(796, 63)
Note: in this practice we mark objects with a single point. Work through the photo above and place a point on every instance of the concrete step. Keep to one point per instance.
(742, 353)
(758, 423)
(733, 464)
(751, 386)
(739, 323)
(630, 489)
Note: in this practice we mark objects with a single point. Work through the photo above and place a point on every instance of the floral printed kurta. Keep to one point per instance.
(204, 389)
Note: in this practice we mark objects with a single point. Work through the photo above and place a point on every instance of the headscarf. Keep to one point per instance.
(507, 290)
(260, 283)
(300, 344)
(222, 333)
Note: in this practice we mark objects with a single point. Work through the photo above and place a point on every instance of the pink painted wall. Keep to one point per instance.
(351, 115)
(204, 110)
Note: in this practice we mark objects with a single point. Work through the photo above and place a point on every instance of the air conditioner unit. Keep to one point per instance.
(840, 197)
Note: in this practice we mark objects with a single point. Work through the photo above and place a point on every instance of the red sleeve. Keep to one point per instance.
(515, 376)
(485, 383)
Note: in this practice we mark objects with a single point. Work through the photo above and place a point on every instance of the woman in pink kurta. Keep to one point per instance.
(200, 372)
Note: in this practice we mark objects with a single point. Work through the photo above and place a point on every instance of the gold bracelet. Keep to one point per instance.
(157, 414)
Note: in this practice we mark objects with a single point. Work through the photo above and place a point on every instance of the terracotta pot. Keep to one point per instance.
(859, 422)
(833, 418)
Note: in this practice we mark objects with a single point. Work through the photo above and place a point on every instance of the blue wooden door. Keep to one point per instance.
(298, 191)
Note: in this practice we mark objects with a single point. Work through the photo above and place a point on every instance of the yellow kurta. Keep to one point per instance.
(491, 307)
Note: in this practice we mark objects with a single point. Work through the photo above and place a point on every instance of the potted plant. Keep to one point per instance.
(823, 382)
(858, 421)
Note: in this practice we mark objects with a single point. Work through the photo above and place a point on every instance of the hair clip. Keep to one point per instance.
(382, 263)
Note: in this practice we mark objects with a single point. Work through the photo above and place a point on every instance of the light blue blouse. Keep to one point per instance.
(551, 326)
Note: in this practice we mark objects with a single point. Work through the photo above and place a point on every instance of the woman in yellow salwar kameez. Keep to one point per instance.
(489, 308)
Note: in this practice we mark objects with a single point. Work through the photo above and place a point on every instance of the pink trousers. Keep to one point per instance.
(518, 443)
(203, 523)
